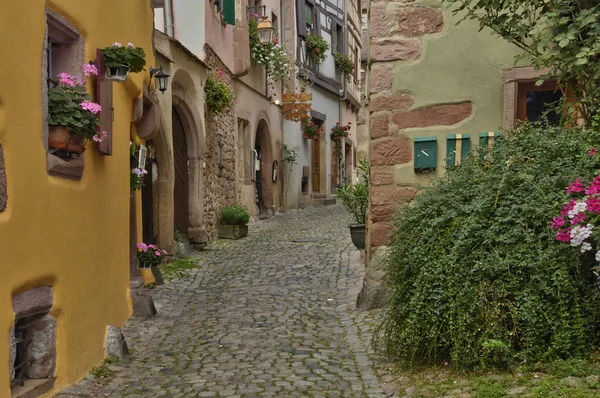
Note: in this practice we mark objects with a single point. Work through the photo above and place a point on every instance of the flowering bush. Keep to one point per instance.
(317, 47)
(69, 105)
(137, 179)
(130, 55)
(474, 265)
(345, 64)
(149, 255)
(340, 131)
(578, 217)
(310, 129)
(271, 56)
(219, 95)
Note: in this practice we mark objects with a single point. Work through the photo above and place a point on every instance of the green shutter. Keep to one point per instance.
(309, 14)
(425, 153)
(484, 142)
(451, 144)
(229, 11)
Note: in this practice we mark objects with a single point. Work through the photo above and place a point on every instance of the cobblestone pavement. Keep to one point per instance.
(272, 314)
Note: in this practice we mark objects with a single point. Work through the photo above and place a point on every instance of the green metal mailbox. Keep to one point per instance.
(425, 153)
(457, 148)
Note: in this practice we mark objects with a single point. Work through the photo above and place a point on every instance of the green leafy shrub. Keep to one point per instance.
(234, 215)
(474, 260)
(219, 95)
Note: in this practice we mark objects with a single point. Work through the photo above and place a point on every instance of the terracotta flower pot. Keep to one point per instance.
(59, 137)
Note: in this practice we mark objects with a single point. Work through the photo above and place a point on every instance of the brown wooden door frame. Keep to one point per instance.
(316, 164)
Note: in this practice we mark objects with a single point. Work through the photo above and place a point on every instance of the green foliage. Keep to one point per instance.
(558, 34)
(341, 131)
(345, 64)
(129, 55)
(234, 215)
(317, 47)
(64, 109)
(178, 269)
(219, 95)
(356, 197)
(474, 260)
(136, 179)
(271, 56)
(289, 155)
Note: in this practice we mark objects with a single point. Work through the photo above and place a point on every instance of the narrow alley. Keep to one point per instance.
(268, 315)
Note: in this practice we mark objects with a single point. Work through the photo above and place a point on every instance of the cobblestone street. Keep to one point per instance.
(272, 314)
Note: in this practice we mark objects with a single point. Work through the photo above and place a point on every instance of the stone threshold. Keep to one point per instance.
(32, 388)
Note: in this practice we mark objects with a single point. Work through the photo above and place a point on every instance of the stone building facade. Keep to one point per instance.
(436, 90)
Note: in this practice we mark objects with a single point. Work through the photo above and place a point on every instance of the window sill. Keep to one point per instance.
(71, 169)
(32, 388)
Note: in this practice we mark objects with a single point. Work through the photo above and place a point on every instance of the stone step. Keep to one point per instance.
(324, 202)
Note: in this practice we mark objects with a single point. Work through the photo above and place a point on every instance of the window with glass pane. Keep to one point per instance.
(309, 15)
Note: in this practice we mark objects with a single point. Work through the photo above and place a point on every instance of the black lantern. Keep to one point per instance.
(162, 78)
(265, 30)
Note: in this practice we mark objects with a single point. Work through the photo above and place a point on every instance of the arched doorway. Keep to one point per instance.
(181, 189)
(264, 168)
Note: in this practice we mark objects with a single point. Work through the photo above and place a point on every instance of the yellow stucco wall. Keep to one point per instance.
(73, 235)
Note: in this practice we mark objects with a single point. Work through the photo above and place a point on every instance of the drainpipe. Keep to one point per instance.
(343, 99)
(169, 26)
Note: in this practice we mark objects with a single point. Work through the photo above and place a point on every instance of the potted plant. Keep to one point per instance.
(310, 130)
(120, 60)
(149, 256)
(271, 56)
(338, 131)
(233, 222)
(356, 200)
(317, 48)
(219, 95)
(345, 64)
(136, 180)
(72, 116)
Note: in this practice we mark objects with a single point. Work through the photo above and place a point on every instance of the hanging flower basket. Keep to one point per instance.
(310, 130)
(338, 132)
(117, 73)
(60, 138)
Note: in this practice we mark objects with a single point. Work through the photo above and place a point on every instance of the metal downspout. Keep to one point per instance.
(169, 26)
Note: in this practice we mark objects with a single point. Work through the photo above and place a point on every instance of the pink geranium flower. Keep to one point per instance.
(558, 222)
(576, 186)
(130, 45)
(99, 137)
(90, 69)
(66, 78)
(578, 218)
(157, 253)
(91, 106)
(592, 151)
(564, 236)
(142, 246)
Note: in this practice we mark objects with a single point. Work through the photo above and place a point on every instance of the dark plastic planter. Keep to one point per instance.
(357, 233)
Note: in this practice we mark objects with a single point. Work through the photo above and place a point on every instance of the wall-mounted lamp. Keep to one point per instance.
(265, 30)
(162, 78)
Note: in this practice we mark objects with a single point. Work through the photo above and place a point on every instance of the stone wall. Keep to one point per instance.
(219, 187)
(3, 188)
(428, 77)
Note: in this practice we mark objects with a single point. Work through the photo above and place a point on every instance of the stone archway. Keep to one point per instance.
(264, 177)
(185, 109)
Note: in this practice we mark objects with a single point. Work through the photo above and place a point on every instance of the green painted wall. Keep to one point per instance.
(457, 65)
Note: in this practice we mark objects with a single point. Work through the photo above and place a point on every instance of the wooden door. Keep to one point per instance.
(181, 191)
(147, 206)
(316, 165)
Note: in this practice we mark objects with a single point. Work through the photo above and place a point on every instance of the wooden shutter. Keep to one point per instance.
(301, 17)
(229, 11)
(316, 20)
(104, 97)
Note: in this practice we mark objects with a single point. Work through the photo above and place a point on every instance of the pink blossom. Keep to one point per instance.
(99, 137)
(594, 187)
(152, 246)
(567, 207)
(578, 218)
(558, 222)
(91, 106)
(592, 151)
(117, 44)
(576, 186)
(77, 80)
(142, 246)
(130, 45)
(90, 69)
(157, 253)
(564, 236)
(219, 73)
(66, 78)
(164, 252)
(593, 204)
